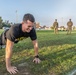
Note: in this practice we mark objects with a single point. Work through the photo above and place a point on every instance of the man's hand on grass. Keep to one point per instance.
(36, 60)
(12, 70)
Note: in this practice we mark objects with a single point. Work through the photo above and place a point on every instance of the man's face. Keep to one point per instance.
(27, 26)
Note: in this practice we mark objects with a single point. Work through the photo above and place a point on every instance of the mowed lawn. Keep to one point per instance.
(57, 54)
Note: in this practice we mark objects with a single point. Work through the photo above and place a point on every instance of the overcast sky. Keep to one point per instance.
(44, 11)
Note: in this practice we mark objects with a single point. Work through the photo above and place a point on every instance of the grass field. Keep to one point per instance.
(57, 52)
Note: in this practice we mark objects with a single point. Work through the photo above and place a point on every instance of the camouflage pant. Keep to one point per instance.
(69, 29)
(55, 30)
(3, 38)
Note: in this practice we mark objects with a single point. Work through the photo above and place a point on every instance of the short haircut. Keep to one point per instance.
(29, 17)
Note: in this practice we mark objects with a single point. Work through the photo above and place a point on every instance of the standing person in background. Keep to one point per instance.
(55, 25)
(14, 34)
(69, 26)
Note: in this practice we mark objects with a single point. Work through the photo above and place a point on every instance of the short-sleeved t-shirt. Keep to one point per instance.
(15, 33)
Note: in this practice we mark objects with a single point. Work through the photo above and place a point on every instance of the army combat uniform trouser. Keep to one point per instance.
(3, 38)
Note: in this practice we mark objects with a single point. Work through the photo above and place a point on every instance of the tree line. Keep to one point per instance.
(4, 24)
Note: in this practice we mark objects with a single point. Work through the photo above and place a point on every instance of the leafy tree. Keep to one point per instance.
(4, 24)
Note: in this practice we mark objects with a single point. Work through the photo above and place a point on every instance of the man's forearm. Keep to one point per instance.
(36, 50)
(36, 59)
(35, 44)
(8, 57)
(9, 46)
(8, 62)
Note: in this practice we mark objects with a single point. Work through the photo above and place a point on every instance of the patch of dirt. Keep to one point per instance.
(23, 69)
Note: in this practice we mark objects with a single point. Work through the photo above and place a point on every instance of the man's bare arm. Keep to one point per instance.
(9, 46)
(35, 44)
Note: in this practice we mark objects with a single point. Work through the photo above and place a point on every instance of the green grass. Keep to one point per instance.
(57, 52)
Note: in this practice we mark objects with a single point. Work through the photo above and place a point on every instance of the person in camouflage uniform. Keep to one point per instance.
(69, 26)
(55, 25)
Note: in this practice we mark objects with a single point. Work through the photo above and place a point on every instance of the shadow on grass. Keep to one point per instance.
(56, 63)
(58, 40)
(50, 41)
(53, 63)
